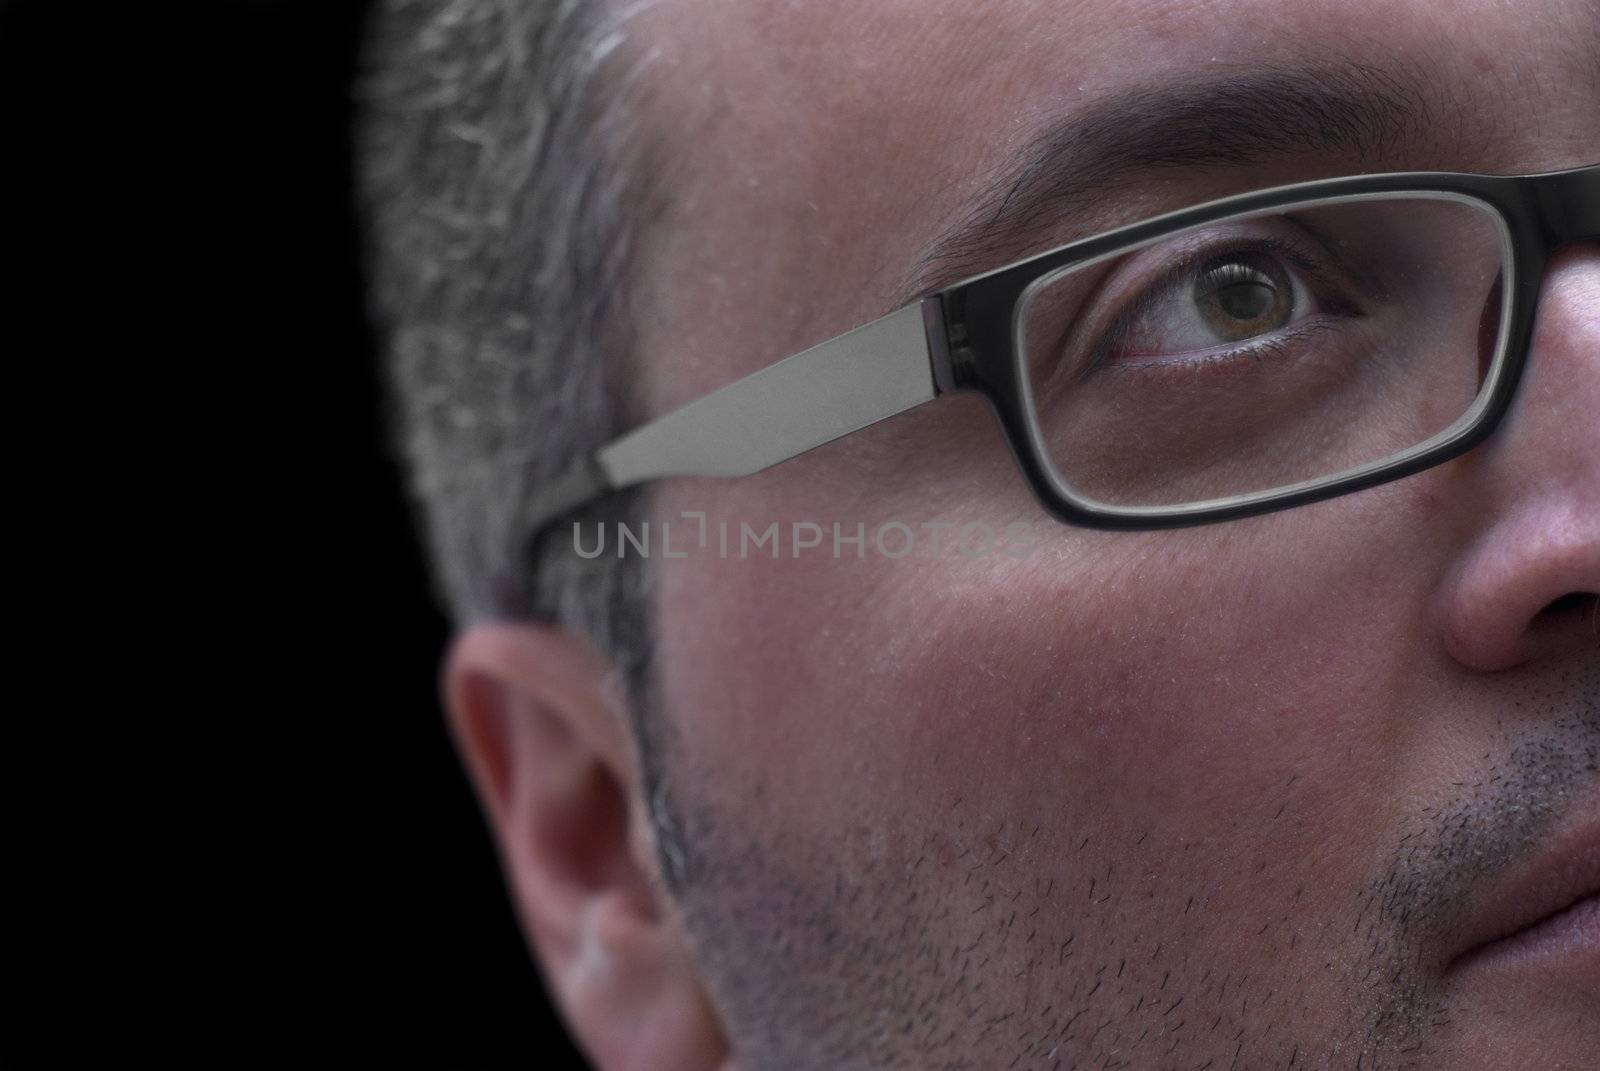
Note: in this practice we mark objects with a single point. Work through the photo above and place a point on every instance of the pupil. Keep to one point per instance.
(1246, 301)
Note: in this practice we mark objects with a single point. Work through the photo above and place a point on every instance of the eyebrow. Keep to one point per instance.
(1233, 120)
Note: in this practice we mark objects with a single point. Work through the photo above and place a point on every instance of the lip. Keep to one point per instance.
(1550, 907)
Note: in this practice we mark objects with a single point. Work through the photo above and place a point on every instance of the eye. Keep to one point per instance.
(1221, 301)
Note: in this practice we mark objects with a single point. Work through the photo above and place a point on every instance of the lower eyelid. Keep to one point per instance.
(1198, 360)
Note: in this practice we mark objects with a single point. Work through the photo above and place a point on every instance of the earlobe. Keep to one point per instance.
(545, 737)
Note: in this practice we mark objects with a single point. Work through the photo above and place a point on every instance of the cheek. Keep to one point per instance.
(1176, 680)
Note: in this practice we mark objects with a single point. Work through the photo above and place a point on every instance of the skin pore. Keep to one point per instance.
(1215, 797)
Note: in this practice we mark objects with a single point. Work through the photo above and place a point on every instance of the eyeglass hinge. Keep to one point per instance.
(947, 349)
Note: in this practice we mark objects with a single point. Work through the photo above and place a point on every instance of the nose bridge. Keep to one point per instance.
(1569, 205)
(1563, 385)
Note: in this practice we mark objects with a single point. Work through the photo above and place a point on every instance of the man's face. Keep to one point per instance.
(1244, 795)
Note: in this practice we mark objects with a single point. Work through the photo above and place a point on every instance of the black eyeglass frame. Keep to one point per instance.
(964, 338)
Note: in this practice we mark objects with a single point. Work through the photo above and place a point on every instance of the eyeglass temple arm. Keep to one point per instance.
(770, 416)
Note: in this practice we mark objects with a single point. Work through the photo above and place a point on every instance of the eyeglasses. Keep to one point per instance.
(1251, 354)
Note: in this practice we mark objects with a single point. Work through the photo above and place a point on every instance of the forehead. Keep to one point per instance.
(818, 146)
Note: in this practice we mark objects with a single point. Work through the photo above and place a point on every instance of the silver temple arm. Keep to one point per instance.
(770, 416)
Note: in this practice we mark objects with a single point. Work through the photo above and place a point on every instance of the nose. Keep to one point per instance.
(1527, 585)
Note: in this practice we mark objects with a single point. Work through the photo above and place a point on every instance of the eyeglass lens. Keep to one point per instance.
(1265, 351)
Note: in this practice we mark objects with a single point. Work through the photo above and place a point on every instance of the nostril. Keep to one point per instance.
(1575, 600)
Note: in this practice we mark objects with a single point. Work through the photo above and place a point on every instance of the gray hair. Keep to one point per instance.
(505, 181)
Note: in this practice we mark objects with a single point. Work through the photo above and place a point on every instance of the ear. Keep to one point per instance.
(542, 726)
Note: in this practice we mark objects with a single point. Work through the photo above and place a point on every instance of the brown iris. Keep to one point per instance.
(1243, 295)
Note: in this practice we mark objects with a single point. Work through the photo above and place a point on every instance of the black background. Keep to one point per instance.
(439, 941)
(177, 187)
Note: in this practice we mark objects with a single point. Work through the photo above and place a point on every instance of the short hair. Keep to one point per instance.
(505, 181)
